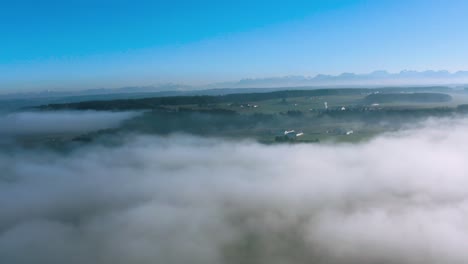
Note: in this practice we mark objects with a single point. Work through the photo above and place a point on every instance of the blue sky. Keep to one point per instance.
(89, 44)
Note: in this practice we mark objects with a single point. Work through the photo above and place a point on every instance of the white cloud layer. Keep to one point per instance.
(401, 198)
(22, 123)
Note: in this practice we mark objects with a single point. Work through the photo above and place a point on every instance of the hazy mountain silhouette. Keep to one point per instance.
(379, 78)
(405, 77)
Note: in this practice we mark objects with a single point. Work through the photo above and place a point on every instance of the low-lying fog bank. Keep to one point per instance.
(22, 123)
(400, 198)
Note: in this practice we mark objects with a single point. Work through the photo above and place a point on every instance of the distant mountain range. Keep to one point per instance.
(373, 79)
(99, 91)
(376, 78)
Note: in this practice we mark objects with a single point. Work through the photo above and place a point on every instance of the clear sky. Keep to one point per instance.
(90, 43)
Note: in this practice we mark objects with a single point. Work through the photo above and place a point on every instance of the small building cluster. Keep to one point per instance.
(288, 135)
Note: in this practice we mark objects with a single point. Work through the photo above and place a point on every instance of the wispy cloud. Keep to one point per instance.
(400, 198)
(60, 122)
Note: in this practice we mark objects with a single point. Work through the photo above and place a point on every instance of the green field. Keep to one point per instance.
(326, 115)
